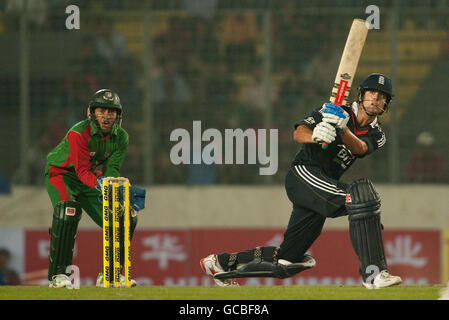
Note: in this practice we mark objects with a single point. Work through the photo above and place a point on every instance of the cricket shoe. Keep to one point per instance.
(60, 281)
(100, 281)
(382, 280)
(211, 267)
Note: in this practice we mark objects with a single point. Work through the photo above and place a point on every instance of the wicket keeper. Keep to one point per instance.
(313, 186)
(92, 149)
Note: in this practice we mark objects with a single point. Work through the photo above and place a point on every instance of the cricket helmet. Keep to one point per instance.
(105, 98)
(380, 82)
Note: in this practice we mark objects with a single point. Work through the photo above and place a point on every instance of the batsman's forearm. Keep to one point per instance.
(303, 134)
(354, 144)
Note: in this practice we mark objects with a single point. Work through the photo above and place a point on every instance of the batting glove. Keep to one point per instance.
(324, 132)
(335, 115)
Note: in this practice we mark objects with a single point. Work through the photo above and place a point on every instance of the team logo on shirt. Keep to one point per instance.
(344, 157)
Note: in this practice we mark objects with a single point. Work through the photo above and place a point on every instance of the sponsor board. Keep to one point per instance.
(445, 256)
(171, 256)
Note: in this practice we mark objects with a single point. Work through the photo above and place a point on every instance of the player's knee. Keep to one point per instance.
(362, 200)
(67, 210)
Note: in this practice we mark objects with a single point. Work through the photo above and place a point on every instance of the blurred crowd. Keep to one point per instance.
(206, 65)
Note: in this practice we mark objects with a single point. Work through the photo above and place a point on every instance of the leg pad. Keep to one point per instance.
(268, 269)
(66, 217)
(365, 228)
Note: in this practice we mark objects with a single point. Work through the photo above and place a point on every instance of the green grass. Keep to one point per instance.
(218, 293)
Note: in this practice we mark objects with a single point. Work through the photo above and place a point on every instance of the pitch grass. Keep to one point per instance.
(218, 293)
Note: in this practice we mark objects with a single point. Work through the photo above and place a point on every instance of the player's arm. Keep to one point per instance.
(338, 117)
(79, 156)
(362, 146)
(314, 130)
(114, 163)
(303, 134)
(354, 144)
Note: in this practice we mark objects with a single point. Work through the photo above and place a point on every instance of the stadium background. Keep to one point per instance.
(230, 64)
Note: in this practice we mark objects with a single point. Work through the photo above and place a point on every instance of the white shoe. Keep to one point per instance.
(382, 280)
(60, 281)
(100, 281)
(123, 281)
(211, 267)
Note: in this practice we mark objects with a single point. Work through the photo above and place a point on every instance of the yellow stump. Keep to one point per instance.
(127, 235)
(106, 236)
(116, 234)
(111, 274)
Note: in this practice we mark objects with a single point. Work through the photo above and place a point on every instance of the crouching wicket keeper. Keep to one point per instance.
(92, 149)
(313, 186)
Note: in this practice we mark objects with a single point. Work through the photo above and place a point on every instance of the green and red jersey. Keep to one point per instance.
(87, 153)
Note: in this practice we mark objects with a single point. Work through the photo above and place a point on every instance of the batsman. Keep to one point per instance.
(91, 150)
(316, 192)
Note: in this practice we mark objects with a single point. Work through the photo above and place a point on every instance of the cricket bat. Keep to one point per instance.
(348, 63)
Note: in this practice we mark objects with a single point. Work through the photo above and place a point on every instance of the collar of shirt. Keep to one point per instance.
(355, 109)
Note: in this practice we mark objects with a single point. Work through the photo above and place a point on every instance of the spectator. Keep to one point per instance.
(170, 87)
(37, 11)
(239, 37)
(255, 94)
(179, 42)
(445, 47)
(8, 277)
(426, 165)
(323, 64)
(204, 8)
(238, 113)
(78, 85)
(219, 85)
(206, 45)
(290, 92)
(290, 101)
(92, 64)
(292, 46)
(110, 45)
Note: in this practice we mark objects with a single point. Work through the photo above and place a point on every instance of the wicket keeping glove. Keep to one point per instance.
(99, 184)
(324, 132)
(137, 198)
(335, 115)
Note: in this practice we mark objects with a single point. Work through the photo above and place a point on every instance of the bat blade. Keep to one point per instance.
(348, 63)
